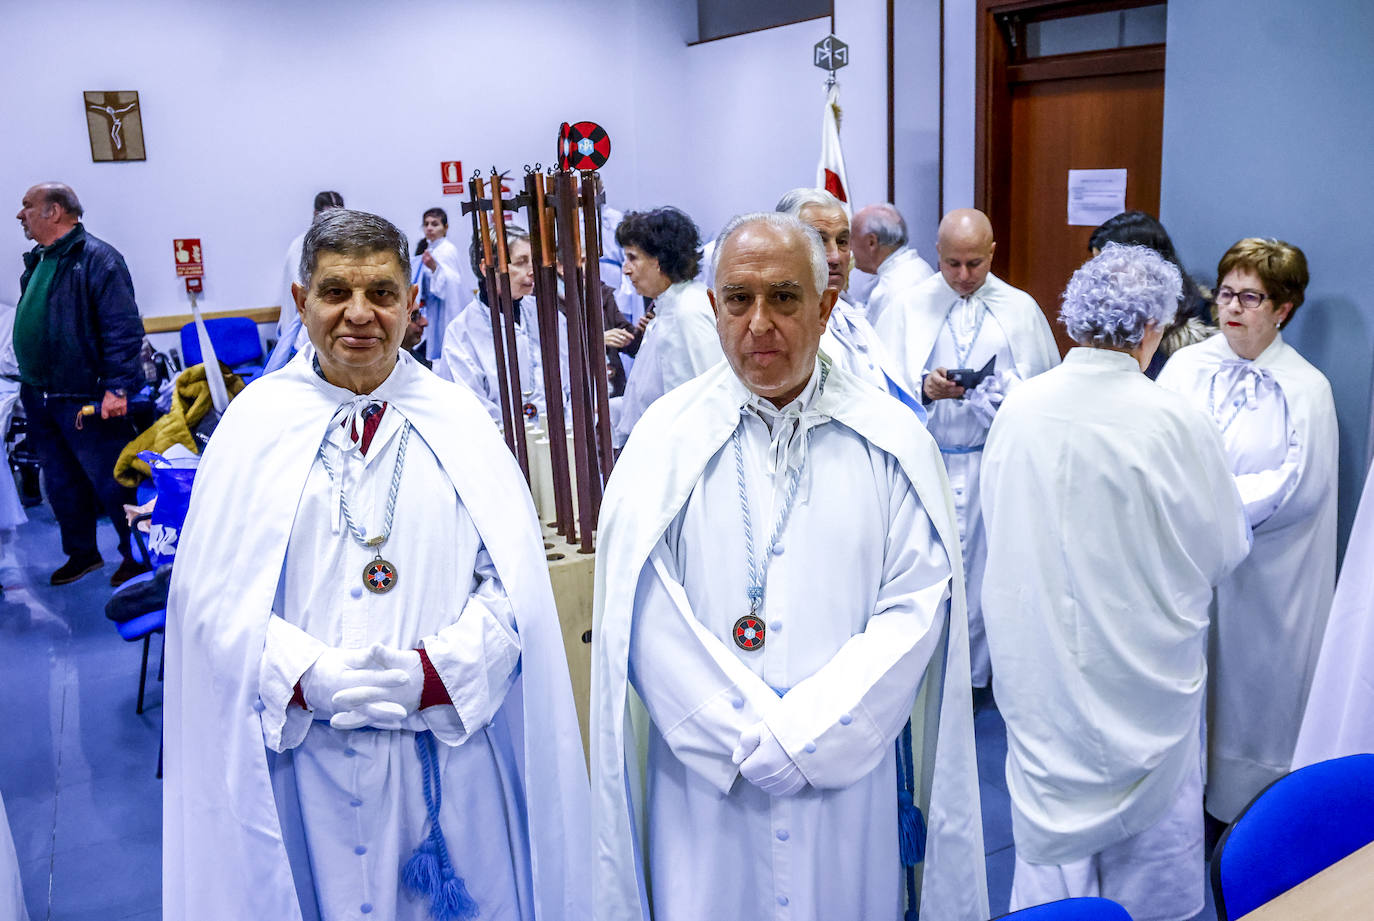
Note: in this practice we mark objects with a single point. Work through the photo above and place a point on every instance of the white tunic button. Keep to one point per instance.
(783, 835)
(846, 719)
(259, 706)
(356, 591)
(810, 747)
(775, 625)
(782, 900)
(778, 548)
(737, 703)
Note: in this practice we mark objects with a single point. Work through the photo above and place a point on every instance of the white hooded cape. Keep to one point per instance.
(1272, 610)
(653, 479)
(911, 323)
(223, 855)
(1340, 706)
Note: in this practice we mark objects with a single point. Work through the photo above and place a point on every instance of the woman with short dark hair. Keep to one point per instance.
(1278, 422)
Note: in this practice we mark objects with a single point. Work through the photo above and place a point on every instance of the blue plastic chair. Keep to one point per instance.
(1071, 910)
(1298, 826)
(236, 344)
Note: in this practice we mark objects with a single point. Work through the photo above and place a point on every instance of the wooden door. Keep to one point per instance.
(1041, 116)
(1108, 122)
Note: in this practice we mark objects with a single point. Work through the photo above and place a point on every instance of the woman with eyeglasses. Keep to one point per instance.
(1278, 422)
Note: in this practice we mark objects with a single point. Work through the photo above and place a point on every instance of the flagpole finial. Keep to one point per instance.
(830, 54)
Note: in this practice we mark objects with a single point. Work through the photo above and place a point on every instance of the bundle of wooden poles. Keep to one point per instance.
(563, 213)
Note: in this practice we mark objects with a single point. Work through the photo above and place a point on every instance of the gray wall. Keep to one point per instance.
(1268, 131)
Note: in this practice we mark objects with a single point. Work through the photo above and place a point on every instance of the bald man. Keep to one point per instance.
(963, 318)
(881, 249)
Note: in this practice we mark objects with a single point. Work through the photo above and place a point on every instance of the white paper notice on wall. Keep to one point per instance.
(1096, 195)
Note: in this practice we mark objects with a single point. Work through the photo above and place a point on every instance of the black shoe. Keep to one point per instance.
(75, 568)
(126, 571)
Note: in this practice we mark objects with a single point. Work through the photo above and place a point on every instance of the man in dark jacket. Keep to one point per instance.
(77, 335)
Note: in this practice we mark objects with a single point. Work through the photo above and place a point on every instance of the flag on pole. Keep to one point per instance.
(830, 173)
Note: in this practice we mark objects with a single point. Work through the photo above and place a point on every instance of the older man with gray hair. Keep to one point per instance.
(777, 576)
(368, 705)
(881, 248)
(849, 340)
(1111, 514)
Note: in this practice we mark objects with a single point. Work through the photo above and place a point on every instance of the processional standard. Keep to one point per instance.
(565, 461)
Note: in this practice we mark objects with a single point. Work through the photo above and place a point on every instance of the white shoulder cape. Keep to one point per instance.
(223, 856)
(911, 323)
(653, 478)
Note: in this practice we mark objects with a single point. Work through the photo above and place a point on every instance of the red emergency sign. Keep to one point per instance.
(188, 258)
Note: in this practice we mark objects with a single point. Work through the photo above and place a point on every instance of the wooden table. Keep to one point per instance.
(1343, 891)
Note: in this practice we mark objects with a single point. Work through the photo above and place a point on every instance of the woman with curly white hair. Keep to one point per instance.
(1278, 421)
(1111, 515)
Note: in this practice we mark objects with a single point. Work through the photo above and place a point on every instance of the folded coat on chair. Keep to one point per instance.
(190, 404)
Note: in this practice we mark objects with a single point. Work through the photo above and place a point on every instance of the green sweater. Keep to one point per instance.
(30, 323)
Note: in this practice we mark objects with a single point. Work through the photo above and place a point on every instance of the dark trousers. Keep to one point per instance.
(78, 468)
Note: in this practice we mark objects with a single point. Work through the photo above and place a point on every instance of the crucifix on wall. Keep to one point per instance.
(115, 123)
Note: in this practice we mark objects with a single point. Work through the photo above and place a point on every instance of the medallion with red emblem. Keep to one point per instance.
(379, 576)
(749, 633)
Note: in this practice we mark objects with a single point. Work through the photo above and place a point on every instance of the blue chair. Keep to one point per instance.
(1071, 910)
(236, 344)
(1299, 825)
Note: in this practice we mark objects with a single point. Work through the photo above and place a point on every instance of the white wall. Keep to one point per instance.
(250, 108)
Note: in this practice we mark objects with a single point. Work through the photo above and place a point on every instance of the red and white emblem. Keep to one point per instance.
(749, 633)
(379, 576)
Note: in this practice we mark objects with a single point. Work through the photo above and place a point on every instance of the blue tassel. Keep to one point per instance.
(429, 873)
(452, 902)
(911, 830)
(422, 874)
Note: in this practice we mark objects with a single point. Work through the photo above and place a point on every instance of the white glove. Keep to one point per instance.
(363, 687)
(765, 763)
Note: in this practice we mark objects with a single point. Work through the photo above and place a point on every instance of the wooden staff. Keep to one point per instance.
(592, 349)
(596, 323)
(507, 311)
(583, 448)
(546, 302)
(477, 192)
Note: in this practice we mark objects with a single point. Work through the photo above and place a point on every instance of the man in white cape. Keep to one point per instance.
(776, 579)
(849, 341)
(338, 707)
(1111, 514)
(962, 317)
(882, 249)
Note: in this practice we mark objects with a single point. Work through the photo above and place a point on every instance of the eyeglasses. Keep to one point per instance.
(1250, 300)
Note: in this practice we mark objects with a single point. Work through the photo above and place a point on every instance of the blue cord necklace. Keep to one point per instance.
(748, 632)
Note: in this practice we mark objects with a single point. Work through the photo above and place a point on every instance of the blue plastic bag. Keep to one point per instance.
(172, 479)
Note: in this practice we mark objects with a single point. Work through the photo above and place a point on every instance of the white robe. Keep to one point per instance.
(680, 343)
(227, 854)
(901, 271)
(469, 358)
(917, 331)
(444, 286)
(670, 561)
(1271, 612)
(851, 343)
(334, 801)
(292, 335)
(1340, 706)
(11, 886)
(1111, 514)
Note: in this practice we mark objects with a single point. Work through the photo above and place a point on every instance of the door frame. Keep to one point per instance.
(1000, 29)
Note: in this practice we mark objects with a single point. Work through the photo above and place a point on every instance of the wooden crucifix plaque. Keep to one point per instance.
(114, 119)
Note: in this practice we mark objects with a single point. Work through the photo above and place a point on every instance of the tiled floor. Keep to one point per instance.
(77, 767)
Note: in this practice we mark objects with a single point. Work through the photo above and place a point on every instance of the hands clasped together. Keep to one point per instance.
(376, 686)
(765, 763)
